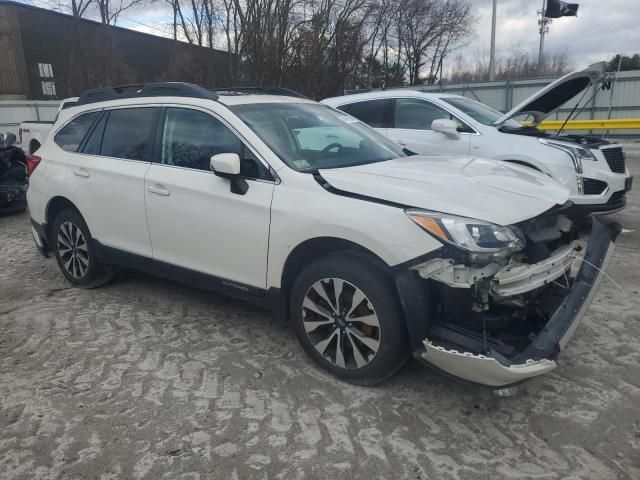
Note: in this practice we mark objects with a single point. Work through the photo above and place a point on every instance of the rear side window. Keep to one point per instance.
(128, 133)
(371, 112)
(70, 136)
(94, 142)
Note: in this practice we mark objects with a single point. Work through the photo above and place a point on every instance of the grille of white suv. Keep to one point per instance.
(615, 158)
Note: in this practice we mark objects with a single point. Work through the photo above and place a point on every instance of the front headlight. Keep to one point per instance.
(475, 236)
(576, 152)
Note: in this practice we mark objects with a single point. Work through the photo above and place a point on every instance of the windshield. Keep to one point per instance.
(479, 111)
(308, 136)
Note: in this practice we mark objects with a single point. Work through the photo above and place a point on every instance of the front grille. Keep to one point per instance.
(615, 158)
(591, 186)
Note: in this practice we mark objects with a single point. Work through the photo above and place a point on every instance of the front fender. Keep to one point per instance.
(383, 230)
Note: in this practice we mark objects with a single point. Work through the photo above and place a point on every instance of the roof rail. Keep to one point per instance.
(165, 89)
(259, 90)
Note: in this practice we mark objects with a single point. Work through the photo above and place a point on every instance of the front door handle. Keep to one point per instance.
(80, 172)
(158, 190)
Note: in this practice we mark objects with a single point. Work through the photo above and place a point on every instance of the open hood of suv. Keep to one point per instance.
(545, 101)
(487, 190)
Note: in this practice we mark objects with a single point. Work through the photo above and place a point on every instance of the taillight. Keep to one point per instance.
(32, 162)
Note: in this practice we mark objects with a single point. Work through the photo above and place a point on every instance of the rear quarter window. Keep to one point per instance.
(71, 135)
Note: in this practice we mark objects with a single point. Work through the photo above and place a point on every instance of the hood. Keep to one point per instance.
(545, 101)
(487, 190)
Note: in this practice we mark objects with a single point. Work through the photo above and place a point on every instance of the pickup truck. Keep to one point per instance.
(32, 134)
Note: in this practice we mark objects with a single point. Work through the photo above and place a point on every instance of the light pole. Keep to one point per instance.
(492, 53)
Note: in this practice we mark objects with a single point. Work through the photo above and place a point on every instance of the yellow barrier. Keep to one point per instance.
(615, 124)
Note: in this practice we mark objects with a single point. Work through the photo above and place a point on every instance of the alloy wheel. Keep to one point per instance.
(341, 323)
(72, 249)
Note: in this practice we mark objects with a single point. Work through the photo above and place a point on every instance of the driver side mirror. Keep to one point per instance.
(227, 165)
(446, 126)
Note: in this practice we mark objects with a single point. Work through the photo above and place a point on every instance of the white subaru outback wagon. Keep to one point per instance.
(470, 265)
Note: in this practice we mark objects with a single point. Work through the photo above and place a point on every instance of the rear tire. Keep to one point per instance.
(359, 334)
(72, 244)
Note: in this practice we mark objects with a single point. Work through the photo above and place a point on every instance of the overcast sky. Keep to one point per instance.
(602, 29)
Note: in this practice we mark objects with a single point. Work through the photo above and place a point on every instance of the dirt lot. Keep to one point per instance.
(146, 378)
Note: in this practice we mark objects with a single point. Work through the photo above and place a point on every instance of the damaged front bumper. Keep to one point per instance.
(482, 369)
(496, 369)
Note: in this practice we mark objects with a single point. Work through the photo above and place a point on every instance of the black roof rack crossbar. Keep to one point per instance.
(166, 89)
(264, 90)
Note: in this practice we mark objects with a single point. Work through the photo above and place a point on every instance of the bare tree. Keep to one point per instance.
(430, 29)
(110, 10)
(514, 64)
(409, 40)
(319, 47)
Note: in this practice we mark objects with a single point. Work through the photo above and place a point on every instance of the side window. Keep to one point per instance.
(127, 133)
(94, 142)
(190, 138)
(70, 136)
(371, 112)
(416, 114)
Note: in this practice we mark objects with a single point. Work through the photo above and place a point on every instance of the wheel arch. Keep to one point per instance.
(54, 207)
(309, 251)
(528, 160)
(524, 163)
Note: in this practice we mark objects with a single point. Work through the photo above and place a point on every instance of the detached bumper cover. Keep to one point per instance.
(540, 356)
(482, 369)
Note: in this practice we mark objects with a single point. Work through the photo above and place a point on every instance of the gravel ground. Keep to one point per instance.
(146, 378)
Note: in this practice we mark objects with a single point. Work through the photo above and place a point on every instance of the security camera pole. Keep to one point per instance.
(543, 22)
(552, 9)
(492, 54)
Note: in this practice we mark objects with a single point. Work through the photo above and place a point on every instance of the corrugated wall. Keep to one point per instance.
(13, 76)
(504, 95)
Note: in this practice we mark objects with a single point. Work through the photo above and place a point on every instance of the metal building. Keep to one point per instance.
(46, 55)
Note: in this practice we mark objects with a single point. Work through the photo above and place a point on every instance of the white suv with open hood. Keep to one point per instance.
(468, 264)
(593, 169)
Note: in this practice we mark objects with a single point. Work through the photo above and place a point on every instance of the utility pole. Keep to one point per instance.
(492, 53)
(543, 22)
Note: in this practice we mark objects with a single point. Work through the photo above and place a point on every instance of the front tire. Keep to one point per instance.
(347, 318)
(71, 240)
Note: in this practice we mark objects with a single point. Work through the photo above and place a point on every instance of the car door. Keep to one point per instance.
(410, 127)
(106, 175)
(195, 221)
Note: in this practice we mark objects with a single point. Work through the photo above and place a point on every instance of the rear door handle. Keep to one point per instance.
(158, 190)
(80, 172)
